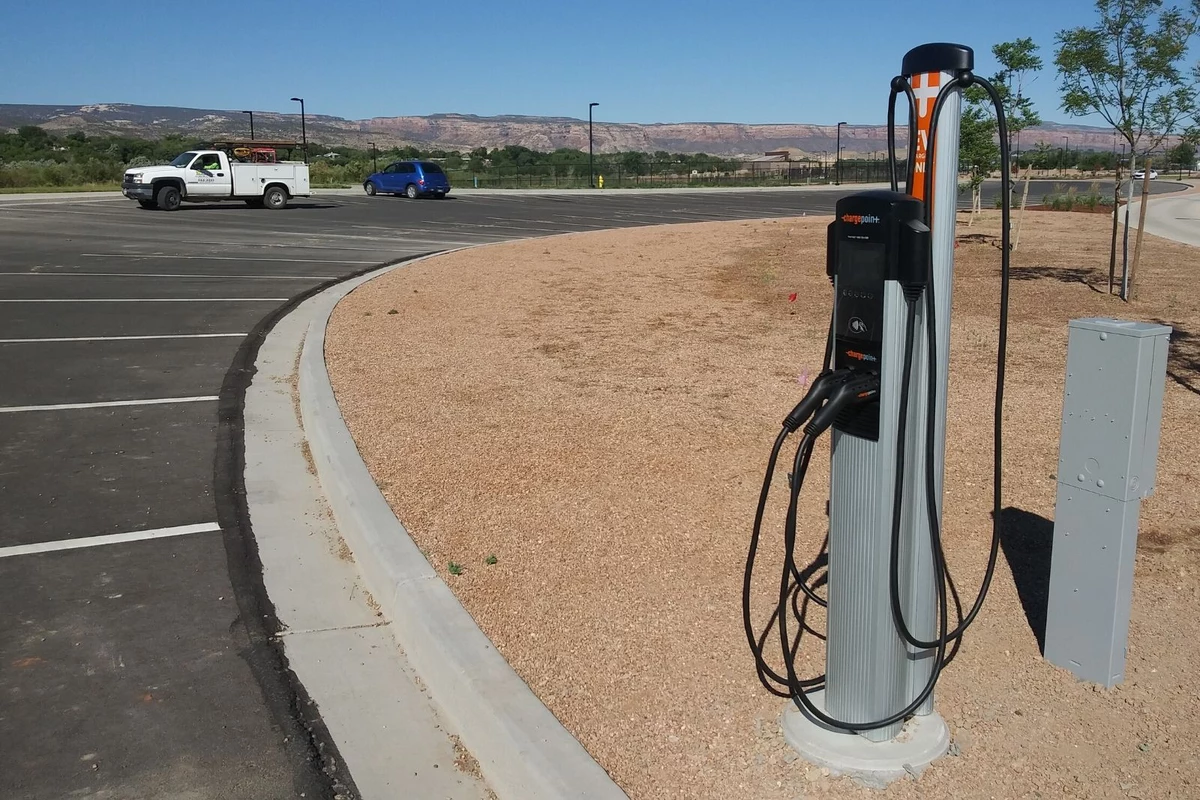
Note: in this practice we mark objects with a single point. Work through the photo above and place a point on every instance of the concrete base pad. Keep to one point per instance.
(922, 741)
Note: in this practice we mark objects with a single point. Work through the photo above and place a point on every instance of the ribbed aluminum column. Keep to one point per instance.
(871, 672)
(866, 661)
(917, 580)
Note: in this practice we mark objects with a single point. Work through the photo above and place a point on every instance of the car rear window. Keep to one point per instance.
(431, 168)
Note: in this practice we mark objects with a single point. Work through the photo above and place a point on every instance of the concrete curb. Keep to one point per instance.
(524, 752)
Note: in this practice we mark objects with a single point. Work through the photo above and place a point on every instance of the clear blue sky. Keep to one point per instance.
(644, 61)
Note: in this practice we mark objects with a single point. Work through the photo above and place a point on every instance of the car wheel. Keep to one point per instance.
(169, 198)
(147, 204)
(275, 198)
(411, 191)
(370, 188)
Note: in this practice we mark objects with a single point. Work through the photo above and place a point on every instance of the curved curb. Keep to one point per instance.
(524, 752)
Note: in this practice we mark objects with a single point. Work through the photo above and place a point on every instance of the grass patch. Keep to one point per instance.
(80, 187)
(1070, 199)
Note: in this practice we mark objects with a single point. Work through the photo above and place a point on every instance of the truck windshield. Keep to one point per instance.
(183, 159)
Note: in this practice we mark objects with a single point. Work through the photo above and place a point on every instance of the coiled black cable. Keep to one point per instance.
(941, 571)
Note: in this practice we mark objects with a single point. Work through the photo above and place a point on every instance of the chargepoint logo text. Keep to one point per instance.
(860, 219)
(860, 356)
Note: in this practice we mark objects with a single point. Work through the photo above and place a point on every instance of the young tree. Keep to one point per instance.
(1184, 155)
(1127, 69)
(1019, 62)
(978, 153)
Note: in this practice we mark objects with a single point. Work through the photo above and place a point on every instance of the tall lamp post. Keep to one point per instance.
(374, 158)
(251, 113)
(303, 128)
(591, 150)
(1066, 152)
(839, 153)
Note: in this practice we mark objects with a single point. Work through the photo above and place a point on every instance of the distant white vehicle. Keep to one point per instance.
(201, 176)
(1140, 175)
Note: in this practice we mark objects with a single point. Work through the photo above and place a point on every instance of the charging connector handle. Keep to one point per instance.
(822, 387)
(862, 388)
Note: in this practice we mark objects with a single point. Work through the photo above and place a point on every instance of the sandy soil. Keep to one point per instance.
(595, 411)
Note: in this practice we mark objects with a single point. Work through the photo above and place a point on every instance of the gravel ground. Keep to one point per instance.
(591, 414)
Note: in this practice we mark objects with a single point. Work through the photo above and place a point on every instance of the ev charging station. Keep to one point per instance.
(882, 396)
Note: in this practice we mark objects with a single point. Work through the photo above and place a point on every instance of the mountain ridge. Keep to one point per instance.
(457, 131)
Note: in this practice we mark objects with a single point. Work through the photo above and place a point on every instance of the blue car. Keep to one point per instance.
(410, 178)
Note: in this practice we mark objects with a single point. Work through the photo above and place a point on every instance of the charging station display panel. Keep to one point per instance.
(861, 270)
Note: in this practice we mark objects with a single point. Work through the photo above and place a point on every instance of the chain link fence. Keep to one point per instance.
(666, 174)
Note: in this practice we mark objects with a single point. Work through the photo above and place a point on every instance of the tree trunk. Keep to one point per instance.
(1137, 248)
(1024, 200)
(1112, 255)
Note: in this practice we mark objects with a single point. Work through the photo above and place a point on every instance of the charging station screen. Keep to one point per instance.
(860, 289)
(867, 260)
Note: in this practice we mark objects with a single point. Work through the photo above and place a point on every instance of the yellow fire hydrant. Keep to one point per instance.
(600, 181)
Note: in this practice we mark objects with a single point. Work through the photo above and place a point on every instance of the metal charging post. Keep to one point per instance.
(871, 672)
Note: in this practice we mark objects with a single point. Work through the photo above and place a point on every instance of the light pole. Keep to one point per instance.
(251, 113)
(591, 149)
(374, 158)
(839, 153)
(303, 128)
(1066, 152)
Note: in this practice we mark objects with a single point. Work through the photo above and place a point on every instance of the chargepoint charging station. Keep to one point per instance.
(882, 398)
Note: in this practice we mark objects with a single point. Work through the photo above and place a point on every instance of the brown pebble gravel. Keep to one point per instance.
(595, 410)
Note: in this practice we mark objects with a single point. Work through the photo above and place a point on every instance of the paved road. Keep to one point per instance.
(1175, 218)
(141, 666)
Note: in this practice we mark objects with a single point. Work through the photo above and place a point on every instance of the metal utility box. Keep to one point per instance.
(1108, 451)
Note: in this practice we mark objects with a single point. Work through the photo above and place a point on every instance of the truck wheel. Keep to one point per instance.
(275, 198)
(411, 191)
(147, 204)
(169, 198)
(370, 188)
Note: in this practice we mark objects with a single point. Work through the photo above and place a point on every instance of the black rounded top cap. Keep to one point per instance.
(938, 57)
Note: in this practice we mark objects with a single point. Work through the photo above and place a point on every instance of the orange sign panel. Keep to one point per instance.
(925, 90)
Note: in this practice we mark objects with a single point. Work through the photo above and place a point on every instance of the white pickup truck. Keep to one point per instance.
(201, 176)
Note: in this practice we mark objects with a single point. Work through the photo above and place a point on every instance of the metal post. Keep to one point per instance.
(251, 113)
(303, 128)
(839, 153)
(870, 670)
(591, 150)
(374, 158)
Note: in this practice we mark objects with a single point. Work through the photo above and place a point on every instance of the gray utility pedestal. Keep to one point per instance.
(1112, 414)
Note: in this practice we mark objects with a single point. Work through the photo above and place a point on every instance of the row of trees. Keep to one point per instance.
(35, 157)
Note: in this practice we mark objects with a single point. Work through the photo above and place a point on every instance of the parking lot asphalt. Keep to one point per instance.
(142, 664)
(133, 666)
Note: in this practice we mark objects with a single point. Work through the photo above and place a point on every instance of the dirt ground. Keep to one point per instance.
(594, 411)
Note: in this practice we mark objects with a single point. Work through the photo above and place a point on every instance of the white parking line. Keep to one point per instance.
(224, 258)
(107, 404)
(112, 538)
(126, 338)
(150, 300)
(168, 275)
